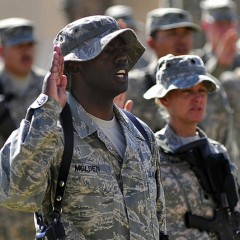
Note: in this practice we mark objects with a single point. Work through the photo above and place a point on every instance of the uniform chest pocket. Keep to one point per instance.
(89, 198)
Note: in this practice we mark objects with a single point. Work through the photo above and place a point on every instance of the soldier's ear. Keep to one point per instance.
(164, 101)
(150, 42)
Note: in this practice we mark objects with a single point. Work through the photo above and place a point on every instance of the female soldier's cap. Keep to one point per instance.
(179, 72)
(85, 38)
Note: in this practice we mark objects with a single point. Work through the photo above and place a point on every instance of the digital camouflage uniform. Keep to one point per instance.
(15, 224)
(106, 197)
(183, 192)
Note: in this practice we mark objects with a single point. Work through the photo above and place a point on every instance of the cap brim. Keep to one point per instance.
(155, 91)
(192, 26)
(96, 45)
(22, 40)
(158, 90)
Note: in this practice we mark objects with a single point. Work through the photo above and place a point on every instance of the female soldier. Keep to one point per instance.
(195, 169)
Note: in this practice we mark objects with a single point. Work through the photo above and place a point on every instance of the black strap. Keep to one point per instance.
(66, 121)
(138, 125)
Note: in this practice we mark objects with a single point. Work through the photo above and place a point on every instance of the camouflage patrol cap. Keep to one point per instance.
(14, 31)
(169, 18)
(85, 38)
(179, 72)
(218, 10)
(125, 13)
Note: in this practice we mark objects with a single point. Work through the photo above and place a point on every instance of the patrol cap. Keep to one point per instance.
(125, 13)
(179, 72)
(14, 31)
(85, 38)
(169, 18)
(218, 10)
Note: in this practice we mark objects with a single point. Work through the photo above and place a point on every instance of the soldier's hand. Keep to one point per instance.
(55, 82)
(128, 105)
(120, 102)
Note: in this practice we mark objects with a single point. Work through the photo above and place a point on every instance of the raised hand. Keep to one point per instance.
(55, 82)
(120, 102)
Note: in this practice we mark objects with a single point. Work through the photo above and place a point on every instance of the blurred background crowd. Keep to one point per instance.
(50, 16)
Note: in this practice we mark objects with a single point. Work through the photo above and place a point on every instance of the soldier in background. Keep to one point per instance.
(219, 22)
(20, 84)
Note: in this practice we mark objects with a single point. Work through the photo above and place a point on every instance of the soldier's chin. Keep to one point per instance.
(26, 64)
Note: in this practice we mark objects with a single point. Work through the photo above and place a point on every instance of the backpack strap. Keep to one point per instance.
(67, 125)
(139, 126)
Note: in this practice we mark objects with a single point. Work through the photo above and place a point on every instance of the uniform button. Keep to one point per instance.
(58, 198)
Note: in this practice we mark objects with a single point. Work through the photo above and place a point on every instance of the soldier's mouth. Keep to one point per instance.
(121, 73)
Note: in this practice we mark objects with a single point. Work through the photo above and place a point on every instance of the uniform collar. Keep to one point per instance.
(85, 126)
(170, 141)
